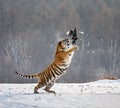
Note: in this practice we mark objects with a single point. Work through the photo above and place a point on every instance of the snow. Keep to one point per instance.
(98, 94)
(81, 32)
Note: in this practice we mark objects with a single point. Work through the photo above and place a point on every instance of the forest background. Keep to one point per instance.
(31, 29)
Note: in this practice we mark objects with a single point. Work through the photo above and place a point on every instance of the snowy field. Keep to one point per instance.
(98, 94)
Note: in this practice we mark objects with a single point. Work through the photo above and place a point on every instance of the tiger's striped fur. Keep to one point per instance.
(60, 64)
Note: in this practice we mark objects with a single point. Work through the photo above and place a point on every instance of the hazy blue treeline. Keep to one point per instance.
(30, 30)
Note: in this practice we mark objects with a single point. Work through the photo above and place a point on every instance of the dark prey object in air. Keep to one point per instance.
(73, 35)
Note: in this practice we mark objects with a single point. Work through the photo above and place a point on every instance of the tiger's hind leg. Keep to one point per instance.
(47, 88)
(39, 85)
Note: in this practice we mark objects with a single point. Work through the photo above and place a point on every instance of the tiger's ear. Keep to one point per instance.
(59, 47)
(60, 43)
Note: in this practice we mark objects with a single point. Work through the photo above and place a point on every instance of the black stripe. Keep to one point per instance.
(29, 76)
(64, 64)
(16, 72)
(53, 68)
(32, 76)
(52, 72)
(42, 79)
(60, 68)
(49, 74)
(56, 71)
(46, 77)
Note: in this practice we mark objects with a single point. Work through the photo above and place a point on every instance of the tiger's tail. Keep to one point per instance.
(32, 76)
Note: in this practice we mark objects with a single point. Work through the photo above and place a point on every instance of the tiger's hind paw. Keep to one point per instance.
(50, 91)
(35, 92)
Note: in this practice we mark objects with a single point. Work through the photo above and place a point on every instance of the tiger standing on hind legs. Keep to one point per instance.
(62, 59)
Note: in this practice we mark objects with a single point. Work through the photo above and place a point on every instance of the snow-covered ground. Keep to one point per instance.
(98, 94)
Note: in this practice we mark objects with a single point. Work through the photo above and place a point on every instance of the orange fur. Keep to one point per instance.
(62, 59)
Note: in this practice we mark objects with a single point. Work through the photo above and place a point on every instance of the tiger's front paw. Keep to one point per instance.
(76, 47)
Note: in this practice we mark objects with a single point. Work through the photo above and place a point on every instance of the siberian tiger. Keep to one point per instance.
(62, 59)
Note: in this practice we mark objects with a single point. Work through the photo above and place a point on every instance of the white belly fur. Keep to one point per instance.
(70, 58)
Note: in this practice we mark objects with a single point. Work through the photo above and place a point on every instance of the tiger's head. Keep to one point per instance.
(65, 45)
